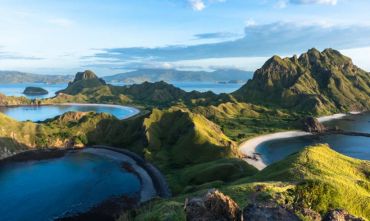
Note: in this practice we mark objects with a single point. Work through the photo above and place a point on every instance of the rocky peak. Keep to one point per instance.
(85, 75)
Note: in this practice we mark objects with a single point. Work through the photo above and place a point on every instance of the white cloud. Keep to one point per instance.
(197, 5)
(284, 3)
(61, 22)
(324, 2)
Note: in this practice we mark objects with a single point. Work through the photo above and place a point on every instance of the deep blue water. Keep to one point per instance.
(40, 113)
(353, 146)
(43, 190)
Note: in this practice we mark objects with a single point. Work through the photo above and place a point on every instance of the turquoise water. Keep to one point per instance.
(43, 190)
(353, 146)
(40, 113)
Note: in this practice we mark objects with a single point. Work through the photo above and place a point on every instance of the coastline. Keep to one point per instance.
(248, 148)
(133, 110)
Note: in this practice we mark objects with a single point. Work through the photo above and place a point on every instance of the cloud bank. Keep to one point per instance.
(258, 41)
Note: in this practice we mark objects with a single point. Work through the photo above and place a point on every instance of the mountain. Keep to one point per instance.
(83, 81)
(320, 82)
(170, 75)
(12, 77)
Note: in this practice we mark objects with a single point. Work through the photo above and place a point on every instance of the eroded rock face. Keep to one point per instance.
(214, 206)
(340, 215)
(312, 125)
(267, 212)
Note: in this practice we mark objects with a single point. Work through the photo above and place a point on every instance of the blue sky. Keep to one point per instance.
(112, 36)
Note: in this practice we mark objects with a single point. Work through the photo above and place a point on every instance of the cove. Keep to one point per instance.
(47, 189)
(43, 112)
(353, 146)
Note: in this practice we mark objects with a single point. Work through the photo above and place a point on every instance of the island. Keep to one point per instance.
(33, 91)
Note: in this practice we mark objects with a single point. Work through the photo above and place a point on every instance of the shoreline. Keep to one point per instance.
(248, 148)
(152, 181)
(134, 111)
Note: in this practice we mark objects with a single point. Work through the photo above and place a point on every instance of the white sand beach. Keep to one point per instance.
(249, 147)
(133, 111)
(330, 117)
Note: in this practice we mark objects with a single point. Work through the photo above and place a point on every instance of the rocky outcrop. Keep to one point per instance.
(340, 215)
(213, 206)
(312, 125)
(267, 212)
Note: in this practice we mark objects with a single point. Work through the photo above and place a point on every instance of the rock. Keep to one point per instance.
(35, 91)
(311, 214)
(214, 206)
(267, 212)
(312, 125)
(340, 215)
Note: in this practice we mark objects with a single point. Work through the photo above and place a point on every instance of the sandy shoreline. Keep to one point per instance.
(133, 111)
(248, 148)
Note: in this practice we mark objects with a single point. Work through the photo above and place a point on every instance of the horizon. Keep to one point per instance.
(53, 37)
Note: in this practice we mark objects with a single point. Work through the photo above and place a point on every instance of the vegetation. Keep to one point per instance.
(35, 91)
(315, 178)
(192, 137)
(316, 82)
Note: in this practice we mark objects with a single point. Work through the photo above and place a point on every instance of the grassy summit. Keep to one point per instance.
(316, 178)
(319, 82)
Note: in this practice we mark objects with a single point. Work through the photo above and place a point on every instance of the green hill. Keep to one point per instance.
(323, 179)
(82, 81)
(319, 82)
(314, 180)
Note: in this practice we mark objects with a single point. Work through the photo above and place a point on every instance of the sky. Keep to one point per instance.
(114, 36)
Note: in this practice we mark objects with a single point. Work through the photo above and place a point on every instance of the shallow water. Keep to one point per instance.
(43, 190)
(40, 113)
(353, 146)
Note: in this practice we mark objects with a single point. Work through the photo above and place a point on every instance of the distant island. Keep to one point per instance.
(137, 76)
(35, 91)
(172, 75)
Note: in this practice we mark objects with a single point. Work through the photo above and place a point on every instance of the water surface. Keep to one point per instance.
(353, 146)
(40, 113)
(17, 89)
(43, 190)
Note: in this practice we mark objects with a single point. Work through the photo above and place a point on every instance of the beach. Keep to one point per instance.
(248, 148)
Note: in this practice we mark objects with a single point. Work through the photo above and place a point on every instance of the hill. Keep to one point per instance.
(318, 82)
(12, 77)
(83, 81)
(171, 75)
(309, 183)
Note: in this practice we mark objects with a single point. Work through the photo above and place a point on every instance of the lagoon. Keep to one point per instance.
(47, 189)
(353, 146)
(41, 113)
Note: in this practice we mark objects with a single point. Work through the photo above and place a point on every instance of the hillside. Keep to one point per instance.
(318, 82)
(309, 183)
(171, 75)
(82, 81)
(12, 77)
